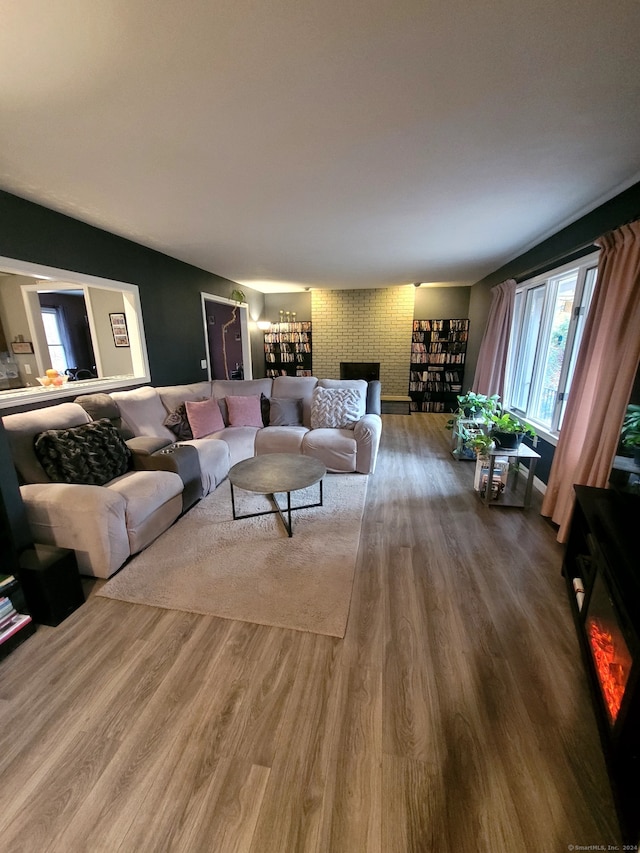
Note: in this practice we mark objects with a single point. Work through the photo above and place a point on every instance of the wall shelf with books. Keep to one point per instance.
(438, 353)
(287, 349)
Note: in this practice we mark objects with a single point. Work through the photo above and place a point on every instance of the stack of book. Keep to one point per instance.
(12, 623)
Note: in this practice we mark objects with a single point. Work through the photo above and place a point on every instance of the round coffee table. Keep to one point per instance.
(276, 473)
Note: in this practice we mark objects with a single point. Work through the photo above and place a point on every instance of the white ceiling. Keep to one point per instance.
(340, 143)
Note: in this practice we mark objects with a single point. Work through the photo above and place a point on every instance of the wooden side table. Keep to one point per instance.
(510, 496)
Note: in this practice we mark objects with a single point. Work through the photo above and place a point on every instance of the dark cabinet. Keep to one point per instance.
(602, 573)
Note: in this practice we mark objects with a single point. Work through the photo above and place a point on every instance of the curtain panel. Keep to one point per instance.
(603, 379)
(492, 356)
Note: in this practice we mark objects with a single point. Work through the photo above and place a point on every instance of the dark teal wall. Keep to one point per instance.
(169, 289)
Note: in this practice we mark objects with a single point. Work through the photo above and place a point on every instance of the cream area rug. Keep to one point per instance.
(250, 569)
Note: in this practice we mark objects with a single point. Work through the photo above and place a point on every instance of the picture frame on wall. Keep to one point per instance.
(22, 347)
(119, 329)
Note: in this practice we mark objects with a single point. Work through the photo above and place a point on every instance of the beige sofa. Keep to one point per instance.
(103, 524)
(145, 409)
(106, 524)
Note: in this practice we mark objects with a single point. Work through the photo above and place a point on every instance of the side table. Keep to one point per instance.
(51, 583)
(510, 496)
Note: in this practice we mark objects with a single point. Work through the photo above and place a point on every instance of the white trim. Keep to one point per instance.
(244, 331)
(60, 279)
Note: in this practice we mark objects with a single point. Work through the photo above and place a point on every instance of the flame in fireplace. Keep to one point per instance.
(612, 674)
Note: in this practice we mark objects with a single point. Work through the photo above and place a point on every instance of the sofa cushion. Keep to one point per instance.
(100, 406)
(335, 448)
(92, 454)
(204, 417)
(360, 385)
(285, 411)
(23, 427)
(336, 408)
(153, 501)
(286, 439)
(222, 388)
(143, 411)
(244, 411)
(265, 408)
(173, 395)
(178, 422)
(299, 387)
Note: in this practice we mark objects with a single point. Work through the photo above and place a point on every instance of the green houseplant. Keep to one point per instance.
(630, 432)
(508, 431)
(472, 416)
(475, 406)
(480, 444)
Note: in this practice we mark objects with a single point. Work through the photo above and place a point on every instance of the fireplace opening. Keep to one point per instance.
(611, 656)
(368, 370)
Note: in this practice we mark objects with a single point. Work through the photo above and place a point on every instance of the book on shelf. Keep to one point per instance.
(18, 621)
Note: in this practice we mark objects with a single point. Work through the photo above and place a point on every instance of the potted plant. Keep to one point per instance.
(475, 407)
(630, 432)
(632, 442)
(471, 417)
(508, 431)
(480, 444)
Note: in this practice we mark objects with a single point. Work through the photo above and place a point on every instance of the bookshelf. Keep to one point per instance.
(287, 349)
(15, 620)
(438, 353)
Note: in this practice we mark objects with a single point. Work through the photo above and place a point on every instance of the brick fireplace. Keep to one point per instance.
(364, 326)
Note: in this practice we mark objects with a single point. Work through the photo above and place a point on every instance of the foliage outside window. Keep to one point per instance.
(549, 316)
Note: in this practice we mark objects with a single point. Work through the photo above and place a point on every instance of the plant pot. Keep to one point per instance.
(507, 440)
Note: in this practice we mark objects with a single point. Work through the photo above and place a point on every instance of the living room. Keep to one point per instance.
(454, 712)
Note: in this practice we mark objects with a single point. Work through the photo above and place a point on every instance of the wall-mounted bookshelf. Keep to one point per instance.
(287, 349)
(438, 353)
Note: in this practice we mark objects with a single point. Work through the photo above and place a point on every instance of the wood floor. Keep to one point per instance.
(454, 715)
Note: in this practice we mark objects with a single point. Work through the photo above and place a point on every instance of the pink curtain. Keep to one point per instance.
(605, 369)
(492, 357)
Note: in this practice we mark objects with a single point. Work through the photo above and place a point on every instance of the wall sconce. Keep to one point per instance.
(263, 325)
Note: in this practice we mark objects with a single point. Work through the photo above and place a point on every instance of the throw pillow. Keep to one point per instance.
(91, 454)
(244, 411)
(335, 408)
(178, 422)
(265, 408)
(285, 411)
(204, 417)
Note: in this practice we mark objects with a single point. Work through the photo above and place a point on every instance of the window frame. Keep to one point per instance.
(550, 281)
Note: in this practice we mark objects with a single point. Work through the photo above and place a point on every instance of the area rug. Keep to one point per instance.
(250, 569)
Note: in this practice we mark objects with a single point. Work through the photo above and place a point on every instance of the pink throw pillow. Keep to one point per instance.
(244, 411)
(204, 418)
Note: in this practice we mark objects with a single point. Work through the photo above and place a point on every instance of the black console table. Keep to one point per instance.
(602, 572)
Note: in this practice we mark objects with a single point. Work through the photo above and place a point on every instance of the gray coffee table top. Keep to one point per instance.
(276, 472)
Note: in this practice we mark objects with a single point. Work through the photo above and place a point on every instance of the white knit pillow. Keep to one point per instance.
(336, 408)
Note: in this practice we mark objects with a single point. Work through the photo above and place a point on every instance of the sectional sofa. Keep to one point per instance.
(107, 474)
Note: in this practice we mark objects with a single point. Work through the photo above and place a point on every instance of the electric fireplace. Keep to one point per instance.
(603, 582)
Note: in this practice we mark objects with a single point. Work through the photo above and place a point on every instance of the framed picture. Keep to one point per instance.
(119, 329)
(22, 347)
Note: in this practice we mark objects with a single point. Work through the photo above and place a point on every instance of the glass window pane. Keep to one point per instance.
(57, 353)
(525, 360)
(552, 354)
(587, 293)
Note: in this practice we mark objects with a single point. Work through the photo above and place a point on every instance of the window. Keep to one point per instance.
(56, 343)
(549, 316)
